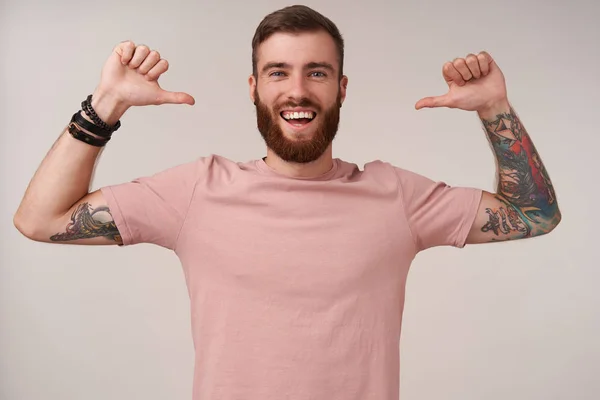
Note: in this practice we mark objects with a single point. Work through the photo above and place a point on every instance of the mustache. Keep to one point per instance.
(303, 102)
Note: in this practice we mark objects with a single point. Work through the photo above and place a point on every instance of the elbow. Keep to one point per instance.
(23, 228)
(555, 221)
(552, 224)
(26, 228)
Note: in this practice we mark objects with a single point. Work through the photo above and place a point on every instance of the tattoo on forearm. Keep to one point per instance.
(524, 182)
(87, 223)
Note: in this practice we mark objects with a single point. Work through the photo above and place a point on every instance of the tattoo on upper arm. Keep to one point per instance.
(87, 222)
(505, 220)
(524, 186)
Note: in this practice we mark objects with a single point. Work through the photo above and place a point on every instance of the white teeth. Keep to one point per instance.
(297, 115)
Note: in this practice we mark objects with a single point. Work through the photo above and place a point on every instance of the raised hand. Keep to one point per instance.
(130, 78)
(475, 83)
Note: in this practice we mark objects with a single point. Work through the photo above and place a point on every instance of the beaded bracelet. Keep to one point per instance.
(86, 106)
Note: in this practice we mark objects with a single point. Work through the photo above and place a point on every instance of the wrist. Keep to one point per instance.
(108, 108)
(491, 111)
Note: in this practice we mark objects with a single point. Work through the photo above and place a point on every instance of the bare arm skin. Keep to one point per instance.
(525, 203)
(57, 206)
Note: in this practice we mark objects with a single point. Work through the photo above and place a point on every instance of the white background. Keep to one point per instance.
(515, 320)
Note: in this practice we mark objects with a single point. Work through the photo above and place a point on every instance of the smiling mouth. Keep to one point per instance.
(298, 119)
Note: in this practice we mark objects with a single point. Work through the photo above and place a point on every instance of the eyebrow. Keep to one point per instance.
(323, 65)
(310, 65)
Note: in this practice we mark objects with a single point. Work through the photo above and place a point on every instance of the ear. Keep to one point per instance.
(252, 84)
(343, 87)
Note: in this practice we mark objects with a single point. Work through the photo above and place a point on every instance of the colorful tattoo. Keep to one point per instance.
(524, 185)
(89, 223)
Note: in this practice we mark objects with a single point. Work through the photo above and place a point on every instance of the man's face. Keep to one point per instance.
(298, 94)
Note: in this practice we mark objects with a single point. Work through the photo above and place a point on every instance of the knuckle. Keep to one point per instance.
(459, 62)
(128, 45)
(123, 45)
(472, 62)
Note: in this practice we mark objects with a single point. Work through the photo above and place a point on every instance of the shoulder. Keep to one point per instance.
(373, 168)
(384, 172)
(210, 165)
(381, 169)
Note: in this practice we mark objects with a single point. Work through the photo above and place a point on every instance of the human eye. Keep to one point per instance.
(277, 74)
(318, 74)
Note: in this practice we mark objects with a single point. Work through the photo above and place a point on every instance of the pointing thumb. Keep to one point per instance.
(176, 98)
(432, 102)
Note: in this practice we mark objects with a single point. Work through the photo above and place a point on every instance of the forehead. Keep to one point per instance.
(298, 49)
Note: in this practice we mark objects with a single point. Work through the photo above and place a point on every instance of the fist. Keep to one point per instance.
(130, 77)
(474, 83)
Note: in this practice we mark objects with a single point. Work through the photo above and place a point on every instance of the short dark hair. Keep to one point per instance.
(295, 19)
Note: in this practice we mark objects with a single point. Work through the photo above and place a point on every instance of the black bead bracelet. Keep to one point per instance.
(86, 106)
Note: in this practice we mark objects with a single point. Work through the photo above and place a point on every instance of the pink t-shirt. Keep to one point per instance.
(296, 284)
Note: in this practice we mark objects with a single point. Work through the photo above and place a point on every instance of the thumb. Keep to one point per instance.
(167, 97)
(433, 101)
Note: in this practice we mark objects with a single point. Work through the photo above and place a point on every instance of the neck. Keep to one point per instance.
(315, 168)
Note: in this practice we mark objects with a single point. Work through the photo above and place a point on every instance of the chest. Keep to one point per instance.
(324, 241)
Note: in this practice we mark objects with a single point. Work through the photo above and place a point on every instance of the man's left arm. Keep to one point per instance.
(524, 204)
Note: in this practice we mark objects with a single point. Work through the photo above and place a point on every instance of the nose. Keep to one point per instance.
(298, 88)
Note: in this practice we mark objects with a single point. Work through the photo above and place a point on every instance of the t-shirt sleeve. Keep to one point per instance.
(152, 209)
(437, 213)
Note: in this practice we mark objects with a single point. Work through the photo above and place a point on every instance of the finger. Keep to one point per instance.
(473, 65)
(139, 55)
(160, 68)
(461, 66)
(433, 102)
(125, 51)
(149, 62)
(452, 75)
(166, 97)
(484, 60)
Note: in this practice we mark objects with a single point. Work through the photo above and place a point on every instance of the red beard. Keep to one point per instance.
(300, 151)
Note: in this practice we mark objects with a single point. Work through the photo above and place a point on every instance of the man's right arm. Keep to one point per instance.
(57, 207)
(88, 222)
